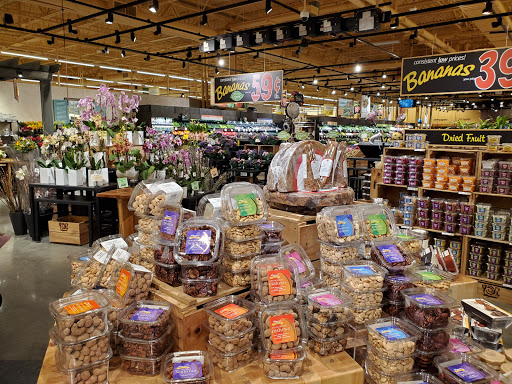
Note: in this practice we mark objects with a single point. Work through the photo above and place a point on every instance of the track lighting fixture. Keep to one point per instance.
(110, 18)
(217, 71)
(345, 94)
(220, 61)
(182, 95)
(497, 23)
(318, 70)
(147, 58)
(51, 41)
(158, 30)
(70, 28)
(204, 19)
(317, 89)
(19, 74)
(118, 37)
(488, 8)
(123, 53)
(395, 23)
(299, 50)
(8, 18)
(189, 53)
(333, 92)
(153, 8)
(315, 80)
(105, 50)
(352, 89)
(133, 37)
(384, 76)
(302, 85)
(268, 6)
(414, 35)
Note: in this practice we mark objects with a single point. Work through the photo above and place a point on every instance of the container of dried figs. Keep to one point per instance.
(144, 366)
(352, 250)
(82, 374)
(146, 319)
(463, 369)
(189, 367)
(243, 203)
(387, 253)
(199, 240)
(392, 337)
(363, 276)
(428, 308)
(281, 327)
(272, 232)
(338, 224)
(328, 305)
(284, 364)
(277, 280)
(429, 276)
(377, 220)
(171, 221)
(298, 257)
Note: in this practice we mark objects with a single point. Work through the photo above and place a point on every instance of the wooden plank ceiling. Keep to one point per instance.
(335, 56)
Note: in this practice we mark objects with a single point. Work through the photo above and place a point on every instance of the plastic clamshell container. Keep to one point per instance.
(390, 365)
(376, 375)
(144, 348)
(74, 375)
(390, 255)
(298, 256)
(200, 240)
(272, 231)
(243, 203)
(326, 346)
(363, 275)
(200, 287)
(142, 366)
(392, 337)
(210, 206)
(231, 361)
(72, 309)
(487, 313)
(273, 360)
(327, 305)
(496, 260)
(338, 224)
(115, 306)
(378, 221)
(417, 378)
(463, 369)
(280, 319)
(393, 284)
(427, 308)
(430, 276)
(145, 319)
(484, 208)
(464, 344)
(230, 312)
(351, 250)
(277, 280)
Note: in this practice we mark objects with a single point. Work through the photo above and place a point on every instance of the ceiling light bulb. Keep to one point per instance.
(133, 37)
(217, 71)
(123, 53)
(268, 6)
(384, 76)
(204, 19)
(110, 18)
(345, 94)
(352, 89)
(358, 68)
(333, 92)
(154, 6)
(315, 81)
(383, 86)
(488, 8)
(221, 62)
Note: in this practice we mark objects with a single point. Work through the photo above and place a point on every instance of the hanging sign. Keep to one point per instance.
(255, 87)
(476, 137)
(485, 70)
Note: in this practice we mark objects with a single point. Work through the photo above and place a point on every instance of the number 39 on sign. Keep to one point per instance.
(255, 87)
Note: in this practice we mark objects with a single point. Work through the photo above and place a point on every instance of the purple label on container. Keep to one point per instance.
(427, 299)
(198, 242)
(390, 253)
(398, 278)
(187, 370)
(146, 314)
(361, 270)
(392, 332)
(467, 372)
(345, 225)
(295, 258)
(458, 346)
(170, 222)
(327, 300)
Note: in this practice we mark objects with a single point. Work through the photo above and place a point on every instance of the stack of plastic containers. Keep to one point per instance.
(451, 216)
(488, 176)
(232, 330)
(272, 239)
(476, 260)
(410, 210)
(401, 170)
(423, 211)
(437, 214)
(500, 222)
(389, 173)
(391, 347)
(429, 173)
(493, 270)
(428, 312)
(145, 336)
(415, 171)
(504, 177)
(244, 210)
(507, 266)
(463, 369)
(82, 336)
(339, 232)
(187, 367)
(198, 252)
(466, 218)
(393, 300)
(482, 217)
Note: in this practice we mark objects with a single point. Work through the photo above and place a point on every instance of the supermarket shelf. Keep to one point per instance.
(392, 185)
(489, 239)
(486, 280)
(452, 150)
(407, 149)
(492, 195)
(447, 191)
(432, 230)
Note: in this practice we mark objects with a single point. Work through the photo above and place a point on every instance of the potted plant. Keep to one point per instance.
(75, 168)
(125, 165)
(97, 172)
(12, 200)
(47, 171)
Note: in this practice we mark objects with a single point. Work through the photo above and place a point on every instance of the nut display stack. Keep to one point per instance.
(494, 263)
(507, 266)
(495, 177)
(232, 332)
(410, 214)
(244, 210)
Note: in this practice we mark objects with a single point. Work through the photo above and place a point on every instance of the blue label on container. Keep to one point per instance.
(198, 242)
(170, 222)
(392, 332)
(390, 253)
(398, 278)
(345, 225)
(467, 372)
(146, 314)
(187, 370)
(427, 299)
(361, 270)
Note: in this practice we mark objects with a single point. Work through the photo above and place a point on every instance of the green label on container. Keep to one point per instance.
(378, 224)
(247, 204)
(430, 275)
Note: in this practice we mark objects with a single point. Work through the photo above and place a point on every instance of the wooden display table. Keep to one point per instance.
(127, 218)
(335, 369)
(463, 287)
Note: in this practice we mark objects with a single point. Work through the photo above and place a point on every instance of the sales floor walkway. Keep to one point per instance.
(31, 275)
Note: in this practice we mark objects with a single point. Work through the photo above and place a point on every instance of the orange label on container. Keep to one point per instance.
(282, 329)
(279, 282)
(286, 355)
(122, 283)
(81, 307)
(231, 311)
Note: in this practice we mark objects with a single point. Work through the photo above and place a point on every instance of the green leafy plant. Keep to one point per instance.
(125, 163)
(145, 169)
(501, 122)
(71, 162)
(49, 164)
(486, 124)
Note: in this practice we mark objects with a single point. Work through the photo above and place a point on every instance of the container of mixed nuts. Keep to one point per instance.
(378, 221)
(189, 367)
(231, 361)
(390, 365)
(363, 298)
(352, 250)
(242, 232)
(338, 224)
(238, 278)
(284, 364)
(299, 258)
(392, 337)
(243, 204)
(363, 276)
(429, 276)
(326, 347)
(329, 305)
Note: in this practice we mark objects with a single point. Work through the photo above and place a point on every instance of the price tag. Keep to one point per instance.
(195, 185)
(244, 174)
(214, 172)
(122, 182)
(96, 177)
(412, 188)
(465, 193)
(447, 234)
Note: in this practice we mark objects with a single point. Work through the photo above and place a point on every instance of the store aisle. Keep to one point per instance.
(31, 275)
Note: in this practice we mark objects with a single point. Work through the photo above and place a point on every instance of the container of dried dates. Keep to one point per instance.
(352, 250)
(298, 257)
(80, 317)
(230, 315)
(200, 271)
(394, 284)
(231, 361)
(284, 364)
(431, 339)
(326, 347)
(281, 327)
(199, 240)
(424, 361)
(362, 275)
(463, 369)
(427, 308)
(378, 221)
(147, 320)
(388, 254)
(171, 221)
(464, 344)
(76, 351)
(390, 365)
(338, 224)
(392, 337)
(376, 374)
(168, 273)
(144, 366)
(418, 377)
(277, 280)
(243, 203)
(82, 375)
(393, 308)
(189, 367)
(271, 248)
(77, 260)
(365, 298)
(429, 276)
(272, 232)
(328, 305)
(144, 348)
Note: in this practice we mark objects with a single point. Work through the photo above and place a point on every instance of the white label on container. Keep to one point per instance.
(101, 256)
(325, 167)
(140, 268)
(315, 166)
(117, 243)
(121, 255)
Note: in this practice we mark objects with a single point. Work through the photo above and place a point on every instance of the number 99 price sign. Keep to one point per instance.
(255, 87)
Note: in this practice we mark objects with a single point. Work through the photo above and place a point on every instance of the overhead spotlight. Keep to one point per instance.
(384, 76)
(317, 89)
(302, 85)
(414, 35)
(123, 53)
(70, 28)
(20, 75)
(204, 19)
(318, 70)
(147, 58)
(378, 93)
(488, 8)
(353, 43)
(352, 89)
(383, 86)
(268, 6)
(118, 37)
(133, 37)
(182, 95)
(497, 23)
(395, 23)
(110, 18)
(299, 50)
(105, 51)
(220, 61)
(333, 92)
(327, 83)
(345, 94)
(51, 41)
(257, 55)
(158, 30)
(358, 68)
(315, 80)
(360, 81)
(189, 52)
(217, 71)
(393, 78)
(154, 6)
(8, 18)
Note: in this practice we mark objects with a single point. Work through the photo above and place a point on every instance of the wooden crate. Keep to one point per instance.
(300, 229)
(497, 292)
(69, 230)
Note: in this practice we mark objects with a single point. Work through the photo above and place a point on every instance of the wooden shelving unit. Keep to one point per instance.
(486, 287)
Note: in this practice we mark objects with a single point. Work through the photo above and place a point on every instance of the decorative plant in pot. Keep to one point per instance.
(97, 172)
(13, 201)
(125, 158)
(74, 162)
